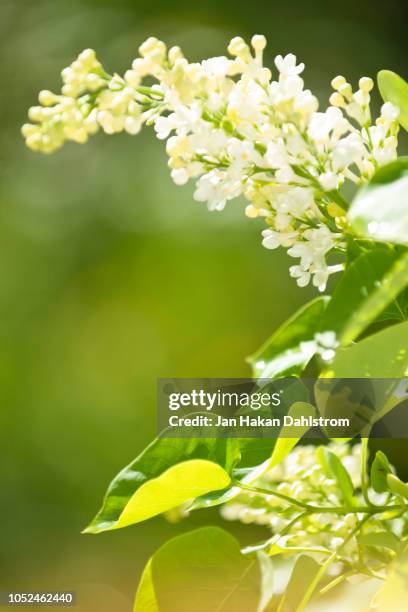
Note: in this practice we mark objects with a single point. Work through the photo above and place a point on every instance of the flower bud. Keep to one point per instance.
(88, 56)
(366, 84)
(390, 112)
(251, 211)
(258, 42)
(337, 99)
(47, 98)
(345, 90)
(337, 82)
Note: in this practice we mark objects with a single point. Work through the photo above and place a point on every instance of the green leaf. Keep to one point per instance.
(380, 468)
(382, 355)
(394, 89)
(200, 571)
(396, 485)
(381, 539)
(288, 351)
(284, 444)
(169, 472)
(304, 572)
(335, 470)
(146, 597)
(289, 436)
(369, 284)
(380, 209)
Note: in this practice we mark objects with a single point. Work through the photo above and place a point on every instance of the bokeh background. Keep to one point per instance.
(111, 276)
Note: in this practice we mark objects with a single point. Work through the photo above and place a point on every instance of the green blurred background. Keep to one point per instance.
(111, 276)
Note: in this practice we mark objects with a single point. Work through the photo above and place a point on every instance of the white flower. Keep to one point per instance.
(301, 275)
(273, 239)
(321, 124)
(276, 155)
(180, 176)
(348, 150)
(242, 153)
(164, 125)
(326, 344)
(216, 188)
(216, 66)
(287, 65)
(235, 130)
(329, 181)
(305, 251)
(389, 112)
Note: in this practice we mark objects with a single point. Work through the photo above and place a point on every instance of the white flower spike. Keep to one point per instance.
(236, 131)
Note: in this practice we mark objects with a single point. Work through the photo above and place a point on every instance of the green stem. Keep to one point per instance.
(337, 197)
(276, 536)
(290, 500)
(149, 91)
(369, 509)
(313, 585)
(364, 467)
(336, 581)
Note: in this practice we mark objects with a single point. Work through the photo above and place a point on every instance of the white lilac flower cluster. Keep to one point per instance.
(302, 476)
(236, 131)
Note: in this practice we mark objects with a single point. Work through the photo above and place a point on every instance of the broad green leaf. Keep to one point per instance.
(380, 209)
(284, 444)
(180, 483)
(288, 438)
(371, 282)
(335, 470)
(396, 485)
(146, 597)
(382, 539)
(380, 468)
(200, 571)
(169, 472)
(382, 355)
(288, 351)
(394, 89)
(304, 572)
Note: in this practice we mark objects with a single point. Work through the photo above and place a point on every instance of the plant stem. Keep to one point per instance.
(369, 509)
(290, 500)
(364, 465)
(312, 587)
(276, 536)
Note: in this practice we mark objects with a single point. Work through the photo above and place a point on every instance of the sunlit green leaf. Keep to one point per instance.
(382, 539)
(288, 351)
(383, 355)
(200, 571)
(362, 359)
(380, 469)
(396, 485)
(146, 597)
(394, 89)
(335, 470)
(291, 434)
(380, 209)
(371, 282)
(167, 473)
(288, 438)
